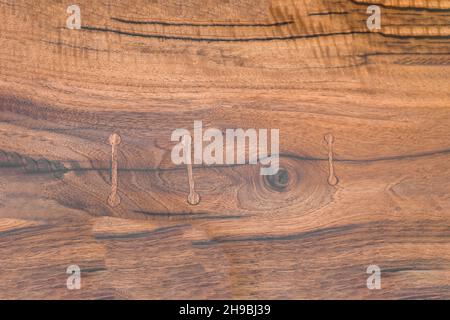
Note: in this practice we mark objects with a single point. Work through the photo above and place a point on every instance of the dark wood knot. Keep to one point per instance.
(279, 181)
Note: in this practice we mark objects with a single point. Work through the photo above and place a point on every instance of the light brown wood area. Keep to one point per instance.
(141, 69)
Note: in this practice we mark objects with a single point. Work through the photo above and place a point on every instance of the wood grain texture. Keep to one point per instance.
(141, 69)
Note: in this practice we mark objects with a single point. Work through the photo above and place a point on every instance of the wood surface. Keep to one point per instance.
(142, 69)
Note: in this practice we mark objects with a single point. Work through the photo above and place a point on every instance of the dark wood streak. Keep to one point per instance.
(189, 215)
(260, 39)
(24, 231)
(187, 24)
(400, 8)
(328, 13)
(138, 235)
(329, 232)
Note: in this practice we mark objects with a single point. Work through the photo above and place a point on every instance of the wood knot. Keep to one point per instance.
(279, 181)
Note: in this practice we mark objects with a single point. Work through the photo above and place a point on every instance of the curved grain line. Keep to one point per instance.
(259, 39)
(191, 24)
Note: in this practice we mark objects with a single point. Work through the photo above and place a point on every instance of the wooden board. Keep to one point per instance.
(142, 69)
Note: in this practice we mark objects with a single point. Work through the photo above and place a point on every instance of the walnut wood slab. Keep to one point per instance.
(364, 175)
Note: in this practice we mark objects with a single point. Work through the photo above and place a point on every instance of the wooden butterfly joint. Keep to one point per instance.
(114, 141)
(332, 179)
(193, 197)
